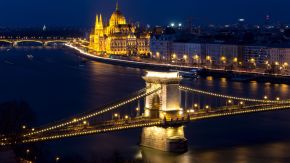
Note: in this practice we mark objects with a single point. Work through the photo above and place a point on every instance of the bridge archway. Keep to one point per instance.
(16, 43)
(48, 43)
(6, 41)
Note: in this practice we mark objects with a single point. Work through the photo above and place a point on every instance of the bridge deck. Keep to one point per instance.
(124, 124)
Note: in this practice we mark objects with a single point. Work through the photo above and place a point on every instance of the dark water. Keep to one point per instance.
(58, 84)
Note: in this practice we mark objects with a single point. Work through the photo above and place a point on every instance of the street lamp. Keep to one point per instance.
(185, 57)
(252, 60)
(223, 59)
(158, 55)
(57, 159)
(235, 60)
(174, 56)
(208, 58)
(196, 58)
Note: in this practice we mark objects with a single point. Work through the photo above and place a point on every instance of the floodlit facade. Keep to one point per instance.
(118, 37)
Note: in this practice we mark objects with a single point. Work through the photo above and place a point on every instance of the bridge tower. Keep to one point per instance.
(163, 105)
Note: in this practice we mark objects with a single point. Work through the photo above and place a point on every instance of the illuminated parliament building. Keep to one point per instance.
(118, 37)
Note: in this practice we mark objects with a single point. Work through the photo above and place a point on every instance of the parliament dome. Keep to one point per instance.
(117, 17)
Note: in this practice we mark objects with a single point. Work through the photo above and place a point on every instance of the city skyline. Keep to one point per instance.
(81, 13)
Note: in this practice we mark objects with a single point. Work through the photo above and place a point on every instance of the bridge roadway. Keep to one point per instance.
(140, 122)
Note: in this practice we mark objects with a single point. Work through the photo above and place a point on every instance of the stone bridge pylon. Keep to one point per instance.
(164, 104)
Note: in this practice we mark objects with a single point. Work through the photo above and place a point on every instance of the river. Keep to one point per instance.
(58, 84)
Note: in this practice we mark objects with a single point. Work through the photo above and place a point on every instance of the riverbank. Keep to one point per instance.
(235, 75)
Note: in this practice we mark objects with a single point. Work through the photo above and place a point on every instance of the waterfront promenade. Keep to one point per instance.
(204, 71)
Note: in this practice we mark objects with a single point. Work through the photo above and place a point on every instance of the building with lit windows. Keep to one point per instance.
(279, 56)
(222, 53)
(256, 54)
(118, 36)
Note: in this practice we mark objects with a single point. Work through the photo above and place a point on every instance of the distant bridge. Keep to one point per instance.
(162, 118)
(44, 42)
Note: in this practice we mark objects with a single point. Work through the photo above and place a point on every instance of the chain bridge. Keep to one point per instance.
(162, 118)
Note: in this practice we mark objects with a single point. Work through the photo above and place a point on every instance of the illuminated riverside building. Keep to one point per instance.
(118, 37)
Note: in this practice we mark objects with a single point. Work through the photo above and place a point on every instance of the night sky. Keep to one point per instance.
(81, 13)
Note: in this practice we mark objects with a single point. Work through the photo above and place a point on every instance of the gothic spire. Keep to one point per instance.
(117, 5)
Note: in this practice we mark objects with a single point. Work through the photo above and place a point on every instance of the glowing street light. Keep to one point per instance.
(174, 56)
(57, 159)
(126, 117)
(252, 60)
(185, 57)
(235, 60)
(172, 24)
(265, 97)
(208, 58)
(180, 112)
(278, 98)
(224, 59)
(157, 54)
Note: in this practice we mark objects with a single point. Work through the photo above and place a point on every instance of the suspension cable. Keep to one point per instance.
(101, 110)
(233, 97)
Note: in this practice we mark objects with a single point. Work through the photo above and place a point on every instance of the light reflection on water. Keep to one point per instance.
(58, 84)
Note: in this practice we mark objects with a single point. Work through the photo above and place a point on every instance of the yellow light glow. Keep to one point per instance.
(223, 58)
(252, 60)
(235, 60)
(174, 56)
(208, 58)
(162, 74)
